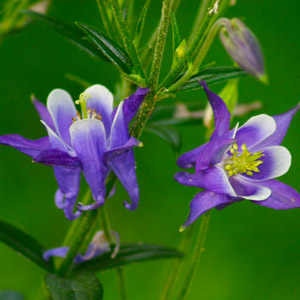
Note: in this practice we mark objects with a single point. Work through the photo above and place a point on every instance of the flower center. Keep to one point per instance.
(86, 112)
(83, 97)
(242, 162)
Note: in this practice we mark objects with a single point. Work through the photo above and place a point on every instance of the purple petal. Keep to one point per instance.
(213, 179)
(221, 112)
(56, 142)
(89, 142)
(124, 165)
(52, 157)
(209, 153)
(203, 202)
(276, 162)
(62, 110)
(282, 124)
(69, 182)
(43, 113)
(102, 101)
(133, 102)
(282, 197)
(255, 130)
(61, 252)
(30, 147)
(212, 153)
(116, 153)
(249, 189)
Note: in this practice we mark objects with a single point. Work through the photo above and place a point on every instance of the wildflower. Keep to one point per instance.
(243, 47)
(98, 246)
(95, 143)
(240, 163)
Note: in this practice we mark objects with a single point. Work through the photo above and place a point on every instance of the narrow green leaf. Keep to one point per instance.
(113, 52)
(83, 286)
(140, 24)
(69, 31)
(128, 254)
(11, 295)
(175, 33)
(212, 76)
(23, 244)
(168, 134)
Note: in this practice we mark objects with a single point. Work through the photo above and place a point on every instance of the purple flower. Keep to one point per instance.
(98, 246)
(243, 47)
(240, 163)
(95, 143)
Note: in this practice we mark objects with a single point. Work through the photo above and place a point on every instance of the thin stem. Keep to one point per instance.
(199, 18)
(178, 264)
(121, 284)
(105, 225)
(199, 59)
(102, 5)
(160, 44)
(191, 51)
(126, 37)
(85, 225)
(198, 250)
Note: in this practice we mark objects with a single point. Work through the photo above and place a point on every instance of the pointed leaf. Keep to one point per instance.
(212, 76)
(175, 33)
(128, 254)
(113, 52)
(11, 295)
(83, 286)
(23, 244)
(69, 31)
(140, 24)
(168, 134)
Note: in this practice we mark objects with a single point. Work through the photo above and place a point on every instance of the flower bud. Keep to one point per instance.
(243, 47)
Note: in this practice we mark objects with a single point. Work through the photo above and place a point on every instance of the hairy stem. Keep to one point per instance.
(126, 37)
(198, 250)
(160, 44)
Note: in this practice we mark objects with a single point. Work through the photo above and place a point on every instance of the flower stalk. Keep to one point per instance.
(197, 253)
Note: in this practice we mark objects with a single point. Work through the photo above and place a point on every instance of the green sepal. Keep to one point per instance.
(128, 254)
(83, 286)
(24, 244)
(113, 52)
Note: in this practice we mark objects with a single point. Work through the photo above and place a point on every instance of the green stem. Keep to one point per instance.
(121, 284)
(103, 7)
(105, 225)
(86, 223)
(160, 44)
(197, 252)
(126, 37)
(192, 50)
(199, 19)
(178, 264)
(199, 59)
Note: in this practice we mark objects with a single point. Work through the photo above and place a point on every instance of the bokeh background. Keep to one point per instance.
(251, 252)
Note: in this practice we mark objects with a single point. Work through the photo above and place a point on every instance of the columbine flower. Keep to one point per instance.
(94, 143)
(243, 47)
(98, 246)
(240, 163)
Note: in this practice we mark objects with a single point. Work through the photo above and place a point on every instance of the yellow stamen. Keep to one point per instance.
(242, 162)
(83, 97)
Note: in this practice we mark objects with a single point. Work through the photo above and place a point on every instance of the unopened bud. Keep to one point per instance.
(244, 49)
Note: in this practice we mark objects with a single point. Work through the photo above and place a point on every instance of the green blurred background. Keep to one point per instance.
(251, 252)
